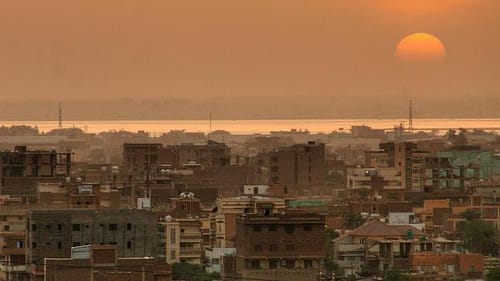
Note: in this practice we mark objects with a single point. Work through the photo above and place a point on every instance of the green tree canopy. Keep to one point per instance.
(396, 275)
(493, 274)
(192, 272)
(480, 237)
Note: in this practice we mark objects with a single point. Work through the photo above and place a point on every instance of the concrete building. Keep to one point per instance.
(377, 246)
(141, 157)
(279, 246)
(183, 240)
(214, 257)
(78, 195)
(228, 210)
(21, 170)
(104, 264)
(459, 169)
(52, 233)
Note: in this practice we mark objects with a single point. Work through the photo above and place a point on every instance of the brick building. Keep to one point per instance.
(452, 265)
(299, 167)
(102, 263)
(282, 246)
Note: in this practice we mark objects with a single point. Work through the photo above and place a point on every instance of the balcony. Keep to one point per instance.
(190, 252)
(12, 268)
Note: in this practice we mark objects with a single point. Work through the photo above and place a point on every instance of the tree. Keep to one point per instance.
(192, 272)
(353, 220)
(471, 214)
(396, 275)
(480, 237)
(493, 274)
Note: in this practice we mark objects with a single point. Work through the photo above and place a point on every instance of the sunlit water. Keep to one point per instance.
(257, 126)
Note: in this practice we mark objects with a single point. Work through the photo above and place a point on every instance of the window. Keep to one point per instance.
(255, 264)
(289, 228)
(59, 226)
(33, 227)
(273, 248)
(6, 227)
(33, 245)
(19, 244)
(215, 261)
(129, 244)
(290, 248)
(307, 227)
(113, 227)
(173, 236)
(289, 263)
(172, 255)
(59, 245)
(272, 227)
(258, 248)
(129, 226)
(76, 227)
(308, 263)
(257, 228)
(273, 263)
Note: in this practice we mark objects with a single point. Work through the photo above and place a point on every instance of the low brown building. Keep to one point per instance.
(454, 265)
(101, 263)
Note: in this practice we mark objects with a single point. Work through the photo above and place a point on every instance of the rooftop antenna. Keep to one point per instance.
(60, 115)
(410, 117)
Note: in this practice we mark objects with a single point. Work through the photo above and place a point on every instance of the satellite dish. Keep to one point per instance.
(67, 179)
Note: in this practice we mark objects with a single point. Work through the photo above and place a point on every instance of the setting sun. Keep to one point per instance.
(420, 48)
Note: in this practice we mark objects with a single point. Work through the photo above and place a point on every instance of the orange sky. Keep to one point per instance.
(252, 48)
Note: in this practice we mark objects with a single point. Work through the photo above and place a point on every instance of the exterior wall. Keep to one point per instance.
(184, 241)
(172, 242)
(229, 208)
(458, 264)
(21, 170)
(286, 247)
(52, 233)
(215, 257)
(127, 269)
(299, 167)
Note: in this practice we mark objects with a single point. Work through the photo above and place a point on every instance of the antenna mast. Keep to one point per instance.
(60, 115)
(410, 119)
(209, 124)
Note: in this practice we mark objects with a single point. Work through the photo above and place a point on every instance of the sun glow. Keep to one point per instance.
(420, 48)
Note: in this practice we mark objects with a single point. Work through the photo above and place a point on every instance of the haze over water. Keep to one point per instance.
(258, 126)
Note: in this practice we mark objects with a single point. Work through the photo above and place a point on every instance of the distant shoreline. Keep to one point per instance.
(259, 126)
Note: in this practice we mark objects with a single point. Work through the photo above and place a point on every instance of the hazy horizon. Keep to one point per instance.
(287, 59)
